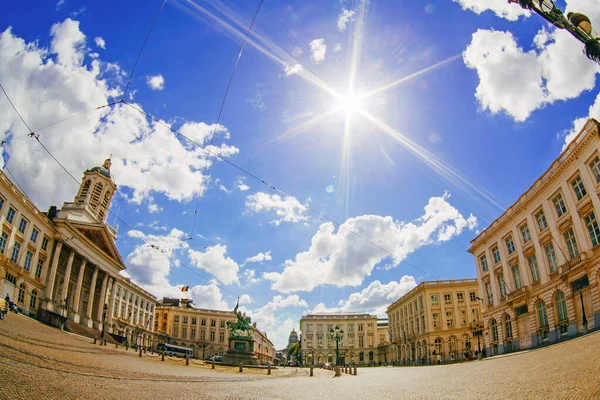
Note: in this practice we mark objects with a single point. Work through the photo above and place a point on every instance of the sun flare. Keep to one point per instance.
(349, 103)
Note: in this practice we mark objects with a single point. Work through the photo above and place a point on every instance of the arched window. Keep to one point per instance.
(361, 356)
(21, 297)
(494, 326)
(452, 347)
(33, 300)
(96, 195)
(507, 326)
(542, 315)
(371, 356)
(438, 346)
(561, 306)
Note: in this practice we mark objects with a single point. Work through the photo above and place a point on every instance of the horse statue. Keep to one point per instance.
(243, 323)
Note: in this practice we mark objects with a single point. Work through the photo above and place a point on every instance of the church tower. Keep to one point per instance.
(96, 191)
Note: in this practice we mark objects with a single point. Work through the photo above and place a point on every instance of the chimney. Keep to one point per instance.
(52, 212)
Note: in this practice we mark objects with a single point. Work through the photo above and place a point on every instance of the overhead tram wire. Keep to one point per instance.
(37, 138)
(142, 49)
(131, 229)
(212, 136)
(272, 187)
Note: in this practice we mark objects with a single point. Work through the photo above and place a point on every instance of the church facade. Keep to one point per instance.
(63, 266)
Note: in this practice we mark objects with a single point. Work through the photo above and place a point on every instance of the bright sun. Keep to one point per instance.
(349, 103)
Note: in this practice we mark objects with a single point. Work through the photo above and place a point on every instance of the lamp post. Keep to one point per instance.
(576, 24)
(104, 310)
(584, 319)
(299, 353)
(337, 334)
(477, 329)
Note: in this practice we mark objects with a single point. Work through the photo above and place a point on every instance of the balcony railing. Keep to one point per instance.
(566, 267)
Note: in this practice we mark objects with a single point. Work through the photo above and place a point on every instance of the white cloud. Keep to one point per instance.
(274, 321)
(376, 297)
(337, 47)
(153, 207)
(222, 188)
(260, 257)
(208, 297)
(286, 209)
(578, 124)
(156, 82)
(200, 132)
(502, 8)
(518, 81)
(293, 69)
(60, 4)
(344, 18)
(145, 154)
(318, 48)
(249, 276)
(343, 259)
(150, 268)
(241, 185)
(215, 261)
(100, 42)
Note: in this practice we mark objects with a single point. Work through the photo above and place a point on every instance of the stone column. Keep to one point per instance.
(80, 276)
(101, 300)
(65, 288)
(52, 276)
(111, 303)
(90, 321)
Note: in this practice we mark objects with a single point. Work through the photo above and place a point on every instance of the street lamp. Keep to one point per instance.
(104, 310)
(584, 320)
(477, 329)
(577, 24)
(337, 334)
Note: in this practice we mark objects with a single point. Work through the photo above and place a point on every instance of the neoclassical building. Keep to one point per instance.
(432, 324)
(538, 264)
(178, 322)
(359, 344)
(64, 265)
(263, 347)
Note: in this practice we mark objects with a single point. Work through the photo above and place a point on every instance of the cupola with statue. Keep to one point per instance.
(97, 190)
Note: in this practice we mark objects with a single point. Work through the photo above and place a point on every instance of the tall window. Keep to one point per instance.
(193, 333)
(483, 261)
(212, 336)
(571, 243)
(213, 322)
(559, 205)
(28, 258)
(525, 233)
(194, 320)
(33, 300)
(21, 297)
(517, 277)
(34, 235)
(184, 332)
(15, 253)
(450, 318)
(185, 319)
(436, 320)
(3, 241)
(434, 299)
(507, 326)
(542, 315)
(221, 336)
(541, 220)
(460, 297)
(22, 225)
(1, 203)
(594, 231)
(488, 290)
(595, 167)
(578, 188)
(176, 331)
(438, 346)
(496, 255)
(502, 285)
(447, 300)
(45, 241)
(494, 325)
(533, 267)
(510, 245)
(472, 296)
(561, 306)
(10, 216)
(551, 256)
(40, 267)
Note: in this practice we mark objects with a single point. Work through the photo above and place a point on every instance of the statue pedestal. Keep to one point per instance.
(241, 351)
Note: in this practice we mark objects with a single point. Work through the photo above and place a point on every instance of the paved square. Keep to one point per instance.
(39, 362)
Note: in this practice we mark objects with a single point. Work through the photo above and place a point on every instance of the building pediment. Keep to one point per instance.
(100, 236)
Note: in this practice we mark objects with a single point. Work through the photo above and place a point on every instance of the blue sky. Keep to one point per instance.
(456, 108)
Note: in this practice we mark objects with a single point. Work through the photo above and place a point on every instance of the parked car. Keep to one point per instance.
(268, 364)
(216, 359)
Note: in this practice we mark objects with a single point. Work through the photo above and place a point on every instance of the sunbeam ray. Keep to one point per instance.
(412, 76)
(431, 160)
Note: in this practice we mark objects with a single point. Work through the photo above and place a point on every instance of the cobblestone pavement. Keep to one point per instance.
(39, 362)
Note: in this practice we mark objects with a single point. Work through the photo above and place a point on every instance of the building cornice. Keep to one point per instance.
(432, 284)
(564, 160)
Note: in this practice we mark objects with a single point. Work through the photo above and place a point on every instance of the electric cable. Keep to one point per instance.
(212, 136)
(15, 108)
(142, 48)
